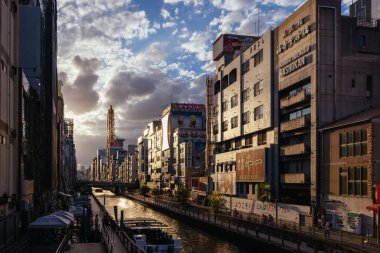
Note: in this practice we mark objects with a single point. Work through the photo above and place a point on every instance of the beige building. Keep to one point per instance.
(326, 68)
(153, 133)
(240, 104)
(10, 82)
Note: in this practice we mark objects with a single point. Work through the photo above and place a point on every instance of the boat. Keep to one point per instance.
(151, 235)
(98, 190)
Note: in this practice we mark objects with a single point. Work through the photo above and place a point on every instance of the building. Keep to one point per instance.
(153, 131)
(241, 114)
(350, 171)
(142, 152)
(131, 162)
(181, 119)
(70, 163)
(367, 9)
(326, 68)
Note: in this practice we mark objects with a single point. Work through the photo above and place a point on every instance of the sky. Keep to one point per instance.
(139, 55)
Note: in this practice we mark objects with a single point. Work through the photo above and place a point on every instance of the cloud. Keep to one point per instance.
(199, 44)
(165, 13)
(185, 2)
(80, 96)
(169, 24)
(127, 85)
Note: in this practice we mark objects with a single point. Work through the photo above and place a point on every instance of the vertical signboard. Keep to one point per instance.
(165, 132)
(250, 166)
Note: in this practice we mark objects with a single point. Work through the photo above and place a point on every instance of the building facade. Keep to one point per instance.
(241, 111)
(325, 70)
(142, 152)
(350, 171)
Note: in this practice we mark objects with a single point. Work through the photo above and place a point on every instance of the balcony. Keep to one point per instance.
(291, 100)
(293, 178)
(295, 123)
(295, 149)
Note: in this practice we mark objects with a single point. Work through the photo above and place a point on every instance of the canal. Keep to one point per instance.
(195, 240)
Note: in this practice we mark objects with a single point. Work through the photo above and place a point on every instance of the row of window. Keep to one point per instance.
(237, 143)
(257, 90)
(353, 181)
(258, 114)
(353, 143)
(229, 79)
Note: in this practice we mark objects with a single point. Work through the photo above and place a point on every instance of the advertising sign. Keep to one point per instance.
(165, 132)
(226, 183)
(231, 43)
(199, 153)
(192, 120)
(250, 166)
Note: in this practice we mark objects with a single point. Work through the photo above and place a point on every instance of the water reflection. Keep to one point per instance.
(194, 239)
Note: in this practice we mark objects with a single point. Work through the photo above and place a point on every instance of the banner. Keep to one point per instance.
(165, 132)
(250, 166)
(226, 183)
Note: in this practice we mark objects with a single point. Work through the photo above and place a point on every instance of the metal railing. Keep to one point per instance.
(264, 228)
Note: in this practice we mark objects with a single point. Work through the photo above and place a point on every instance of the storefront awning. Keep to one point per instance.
(373, 207)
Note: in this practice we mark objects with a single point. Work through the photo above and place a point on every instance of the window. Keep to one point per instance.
(215, 111)
(245, 67)
(225, 126)
(248, 141)
(261, 138)
(245, 118)
(353, 181)
(234, 122)
(353, 143)
(363, 41)
(215, 129)
(245, 94)
(299, 113)
(258, 58)
(216, 87)
(259, 112)
(224, 106)
(352, 83)
(369, 86)
(224, 82)
(234, 101)
(258, 88)
(232, 77)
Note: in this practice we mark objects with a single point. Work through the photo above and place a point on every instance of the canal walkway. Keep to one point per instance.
(291, 236)
(111, 240)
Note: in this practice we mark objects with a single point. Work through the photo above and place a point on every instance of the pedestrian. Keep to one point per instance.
(327, 229)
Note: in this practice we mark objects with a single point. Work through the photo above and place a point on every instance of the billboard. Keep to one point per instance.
(199, 154)
(226, 183)
(250, 166)
(165, 132)
(188, 120)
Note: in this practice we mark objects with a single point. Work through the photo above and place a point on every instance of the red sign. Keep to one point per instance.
(250, 166)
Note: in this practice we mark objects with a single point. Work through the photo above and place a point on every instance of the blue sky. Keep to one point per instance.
(138, 54)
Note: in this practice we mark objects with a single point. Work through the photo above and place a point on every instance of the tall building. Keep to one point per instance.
(10, 87)
(180, 118)
(70, 163)
(326, 68)
(142, 152)
(241, 113)
(49, 102)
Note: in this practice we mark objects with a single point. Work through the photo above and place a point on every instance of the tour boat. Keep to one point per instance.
(152, 236)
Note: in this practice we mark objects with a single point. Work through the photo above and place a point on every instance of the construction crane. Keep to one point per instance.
(110, 140)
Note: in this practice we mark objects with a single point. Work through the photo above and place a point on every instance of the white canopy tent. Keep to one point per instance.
(50, 221)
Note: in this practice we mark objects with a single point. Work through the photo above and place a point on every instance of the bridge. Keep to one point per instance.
(113, 186)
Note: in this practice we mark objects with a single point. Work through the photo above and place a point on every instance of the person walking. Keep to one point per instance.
(327, 229)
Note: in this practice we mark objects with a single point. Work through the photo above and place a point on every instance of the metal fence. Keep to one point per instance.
(263, 228)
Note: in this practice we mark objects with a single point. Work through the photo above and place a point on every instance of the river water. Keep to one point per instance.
(194, 239)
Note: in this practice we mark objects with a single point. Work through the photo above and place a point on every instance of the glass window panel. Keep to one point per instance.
(343, 184)
(364, 174)
(351, 175)
(357, 149)
(349, 138)
(351, 188)
(343, 138)
(364, 148)
(350, 151)
(357, 188)
(356, 136)
(364, 135)
(357, 173)
(364, 189)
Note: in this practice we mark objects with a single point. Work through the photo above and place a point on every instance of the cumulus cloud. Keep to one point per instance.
(199, 44)
(165, 13)
(127, 85)
(186, 2)
(80, 96)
